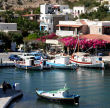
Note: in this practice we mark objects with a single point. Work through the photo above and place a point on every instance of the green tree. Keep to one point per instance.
(31, 37)
(16, 37)
(24, 24)
(4, 37)
(100, 14)
(37, 10)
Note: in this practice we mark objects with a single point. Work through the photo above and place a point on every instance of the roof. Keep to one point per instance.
(83, 22)
(97, 36)
(29, 15)
(65, 25)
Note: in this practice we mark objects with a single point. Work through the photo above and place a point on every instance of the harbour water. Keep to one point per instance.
(92, 85)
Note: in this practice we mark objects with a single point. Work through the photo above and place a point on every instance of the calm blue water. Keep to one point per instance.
(92, 85)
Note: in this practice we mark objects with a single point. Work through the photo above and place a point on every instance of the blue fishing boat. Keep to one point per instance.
(61, 62)
(61, 95)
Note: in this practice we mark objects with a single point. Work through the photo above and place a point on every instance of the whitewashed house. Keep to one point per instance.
(99, 27)
(46, 8)
(6, 27)
(50, 15)
(46, 22)
(68, 28)
(78, 10)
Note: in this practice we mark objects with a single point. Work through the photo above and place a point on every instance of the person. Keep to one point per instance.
(4, 85)
(14, 86)
(1, 60)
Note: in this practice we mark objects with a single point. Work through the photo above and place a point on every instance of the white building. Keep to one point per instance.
(52, 9)
(105, 1)
(78, 10)
(99, 27)
(48, 15)
(46, 22)
(46, 8)
(6, 27)
(68, 28)
(67, 11)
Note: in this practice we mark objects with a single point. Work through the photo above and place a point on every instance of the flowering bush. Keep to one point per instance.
(83, 43)
(51, 36)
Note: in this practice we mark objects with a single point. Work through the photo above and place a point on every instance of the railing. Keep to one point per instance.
(64, 33)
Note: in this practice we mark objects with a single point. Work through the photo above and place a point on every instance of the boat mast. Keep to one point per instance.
(78, 42)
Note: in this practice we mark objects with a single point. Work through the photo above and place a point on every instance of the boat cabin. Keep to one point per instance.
(62, 59)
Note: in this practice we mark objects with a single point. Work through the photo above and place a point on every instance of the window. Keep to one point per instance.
(49, 8)
(99, 30)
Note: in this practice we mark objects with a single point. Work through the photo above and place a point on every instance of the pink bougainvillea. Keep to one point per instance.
(83, 43)
(51, 36)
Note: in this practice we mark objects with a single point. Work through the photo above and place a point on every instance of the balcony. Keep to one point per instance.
(65, 33)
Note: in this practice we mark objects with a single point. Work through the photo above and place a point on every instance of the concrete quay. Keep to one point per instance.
(8, 97)
(7, 63)
(4, 61)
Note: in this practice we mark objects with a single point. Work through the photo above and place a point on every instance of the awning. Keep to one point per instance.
(51, 41)
(64, 25)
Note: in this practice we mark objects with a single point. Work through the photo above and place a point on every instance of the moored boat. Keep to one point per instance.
(87, 61)
(61, 95)
(29, 63)
(61, 62)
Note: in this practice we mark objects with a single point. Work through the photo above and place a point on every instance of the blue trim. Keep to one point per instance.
(54, 64)
(40, 28)
(39, 92)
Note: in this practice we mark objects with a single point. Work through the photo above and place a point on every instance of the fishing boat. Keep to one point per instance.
(29, 63)
(86, 60)
(61, 95)
(61, 62)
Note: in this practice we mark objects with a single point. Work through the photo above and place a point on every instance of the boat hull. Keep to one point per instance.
(74, 100)
(28, 67)
(88, 64)
(62, 66)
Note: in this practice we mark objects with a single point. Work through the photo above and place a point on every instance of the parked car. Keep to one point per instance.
(38, 55)
(13, 57)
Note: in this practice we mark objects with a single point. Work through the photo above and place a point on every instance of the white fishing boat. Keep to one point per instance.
(87, 61)
(29, 63)
(61, 95)
(61, 62)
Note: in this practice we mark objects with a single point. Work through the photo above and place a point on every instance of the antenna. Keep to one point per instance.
(65, 85)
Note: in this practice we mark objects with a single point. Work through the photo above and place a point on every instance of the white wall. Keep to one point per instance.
(67, 11)
(78, 10)
(45, 8)
(8, 27)
(70, 22)
(46, 18)
(64, 33)
(63, 7)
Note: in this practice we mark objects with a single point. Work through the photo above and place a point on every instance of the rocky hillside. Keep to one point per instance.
(19, 4)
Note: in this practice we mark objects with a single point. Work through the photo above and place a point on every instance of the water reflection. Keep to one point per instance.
(92, 85)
